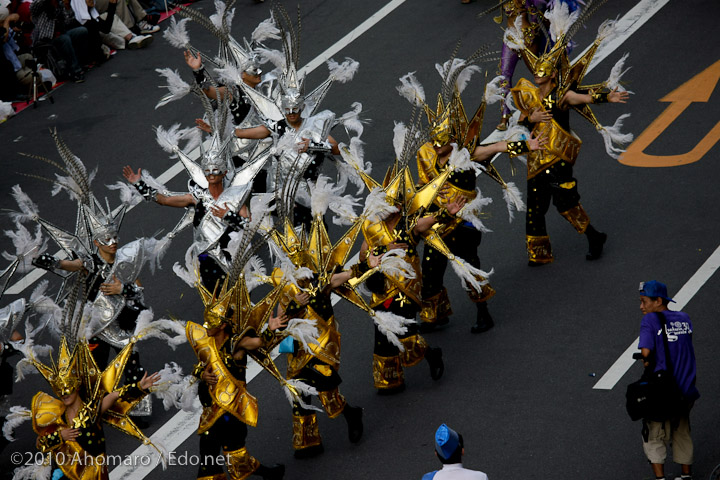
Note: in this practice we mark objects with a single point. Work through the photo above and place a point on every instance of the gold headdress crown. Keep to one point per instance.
(63, 376)
(219, 306)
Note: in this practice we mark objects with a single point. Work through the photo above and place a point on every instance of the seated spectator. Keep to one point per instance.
(54, 26)
(16, 77)
(132, 15)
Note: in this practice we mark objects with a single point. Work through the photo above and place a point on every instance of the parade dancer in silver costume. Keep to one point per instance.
(218, 194)
(96, 270)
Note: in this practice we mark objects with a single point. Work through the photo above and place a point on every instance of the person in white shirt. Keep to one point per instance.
(449, 450)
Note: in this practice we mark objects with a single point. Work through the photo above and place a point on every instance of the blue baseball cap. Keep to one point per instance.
(653, 288)
(446, 441)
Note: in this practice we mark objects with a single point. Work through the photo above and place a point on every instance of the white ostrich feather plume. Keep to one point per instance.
(69, 185)
(176, 33)
(262, 204)
(607, 31)
(377, 207)
(255, 273)
(150, 180)
(171, 378)
(612, 135)
(177, 87)
(399, 138)
(44, 305)
(470, 277)
(411, 89)
(17, 416)
(392, 325)
(128, 194)
(30, 352)
(393, 264)
(513, 199)
(28, 208)
(351, 120)
(188, 273)
(560, 19)
(266, 30)
(448, 69)
(472, 210)
(34, 471)
(292, 386)
(493, 91)
(27, 246)
(220, 11)
(304, 331)
(168, 139)
(343, 72)
(513, 36)
(617, 73)
(173, 332)
(229, 74)
(276, 57)
(460, 160)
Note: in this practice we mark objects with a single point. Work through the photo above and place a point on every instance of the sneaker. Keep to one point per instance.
(78, 77)
(139, 41)
(146, 28)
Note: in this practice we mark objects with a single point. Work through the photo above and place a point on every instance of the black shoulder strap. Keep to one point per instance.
(668, 360)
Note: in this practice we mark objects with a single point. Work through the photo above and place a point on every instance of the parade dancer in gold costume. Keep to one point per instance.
(545, 109)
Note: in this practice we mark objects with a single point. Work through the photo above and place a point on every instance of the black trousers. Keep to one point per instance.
(555, 183)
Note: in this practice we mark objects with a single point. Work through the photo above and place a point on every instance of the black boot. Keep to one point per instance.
(484, 321)
(596, 242)
(353, 417)
(276, 472)
(435, 360)
(308, 452)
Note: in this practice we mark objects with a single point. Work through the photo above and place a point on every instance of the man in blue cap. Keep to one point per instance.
(449, 449)
(675, 429)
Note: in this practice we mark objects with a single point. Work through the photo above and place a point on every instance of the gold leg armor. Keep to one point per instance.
(435, 307)
(333, 402)
(415, 348)
(578, 218)
(218, 476)
(305, 431)
(538, 248)
(387, 372)
(240, 464)
(485, 294)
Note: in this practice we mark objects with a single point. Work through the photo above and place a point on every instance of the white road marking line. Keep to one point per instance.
(682, 298)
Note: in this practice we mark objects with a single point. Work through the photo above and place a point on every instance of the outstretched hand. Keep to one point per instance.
(194, 62)
(618, 97)
(277, 322)
(149, 381)
(203, 125)
(537, 143)
(456, 206)
(130, 174)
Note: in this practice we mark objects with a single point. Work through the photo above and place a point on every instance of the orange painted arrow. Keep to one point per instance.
(697, 89)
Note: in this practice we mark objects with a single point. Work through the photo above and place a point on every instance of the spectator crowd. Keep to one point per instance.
(59, 40)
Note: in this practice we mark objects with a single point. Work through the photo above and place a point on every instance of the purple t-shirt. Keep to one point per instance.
(682, 353)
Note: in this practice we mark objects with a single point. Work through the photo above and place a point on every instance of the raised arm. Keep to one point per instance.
(149, 193)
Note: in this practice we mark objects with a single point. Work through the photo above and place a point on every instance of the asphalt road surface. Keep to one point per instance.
(521, 394)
